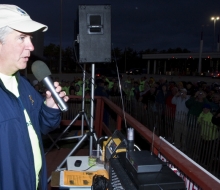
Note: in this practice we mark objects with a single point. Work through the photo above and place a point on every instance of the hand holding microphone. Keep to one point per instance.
(54, 97)
(50, 102)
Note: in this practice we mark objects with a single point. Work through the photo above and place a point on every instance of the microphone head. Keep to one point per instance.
(40, 70)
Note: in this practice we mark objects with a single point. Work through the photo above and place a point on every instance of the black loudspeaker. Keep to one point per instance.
(94, 33)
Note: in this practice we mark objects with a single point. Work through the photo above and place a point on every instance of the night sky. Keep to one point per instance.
(139, 24)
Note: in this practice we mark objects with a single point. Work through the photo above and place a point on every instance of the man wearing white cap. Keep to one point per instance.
(24, 113)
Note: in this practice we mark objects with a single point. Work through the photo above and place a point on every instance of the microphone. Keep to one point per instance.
(130, 138)
(42, 73)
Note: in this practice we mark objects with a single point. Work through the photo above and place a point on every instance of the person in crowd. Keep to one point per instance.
(160, 105)
(217, 89)
(198, 86)
(114, 91)
(110, 81)
(216, 121)
(106, 87)
(79, 81)
(142, 84)
(127, 81)
(180, 128)
(100, 91)
(25, 113)
(195, 104)
(170, 107)
(162, 96)
(88, 93)
(171, 85)
(78, 89)
(210, 95)
(146, 88)
(162, 82)
(209, 134)
(135, 91)
(127, 87)
(180, 85)
(216, 118)
(170, 110)
(87, 85)
(149, 97)
(151, 81)
(215, 103)
(205, 87)
(66, 87)
(190, 89)
(72, 88)
(157, 85)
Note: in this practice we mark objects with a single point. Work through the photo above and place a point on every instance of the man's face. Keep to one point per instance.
(15, 52)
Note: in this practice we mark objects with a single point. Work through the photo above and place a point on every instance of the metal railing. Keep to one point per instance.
(109, 117)
(198, 140)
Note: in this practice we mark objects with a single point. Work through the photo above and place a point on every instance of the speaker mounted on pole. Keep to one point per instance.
(94, 33)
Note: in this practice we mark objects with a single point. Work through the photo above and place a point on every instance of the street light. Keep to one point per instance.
(214, 19)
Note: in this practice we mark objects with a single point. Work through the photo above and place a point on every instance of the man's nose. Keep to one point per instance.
(30, 45)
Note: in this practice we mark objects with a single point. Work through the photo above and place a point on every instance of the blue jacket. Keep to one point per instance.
(16, 158)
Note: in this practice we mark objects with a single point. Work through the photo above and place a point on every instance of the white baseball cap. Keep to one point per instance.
(17, 19)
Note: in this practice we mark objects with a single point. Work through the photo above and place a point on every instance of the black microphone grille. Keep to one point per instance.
(40, 70)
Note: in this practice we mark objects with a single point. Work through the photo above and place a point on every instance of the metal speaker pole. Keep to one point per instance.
(92, 108)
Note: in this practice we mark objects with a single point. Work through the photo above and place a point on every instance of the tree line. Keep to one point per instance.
(125, 58)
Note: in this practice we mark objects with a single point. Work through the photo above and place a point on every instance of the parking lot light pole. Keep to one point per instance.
(214, 19)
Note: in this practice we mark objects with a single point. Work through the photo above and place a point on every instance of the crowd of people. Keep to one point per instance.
(183, 99)
(168, 93)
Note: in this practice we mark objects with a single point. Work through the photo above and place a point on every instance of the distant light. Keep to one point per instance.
(215, 18)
